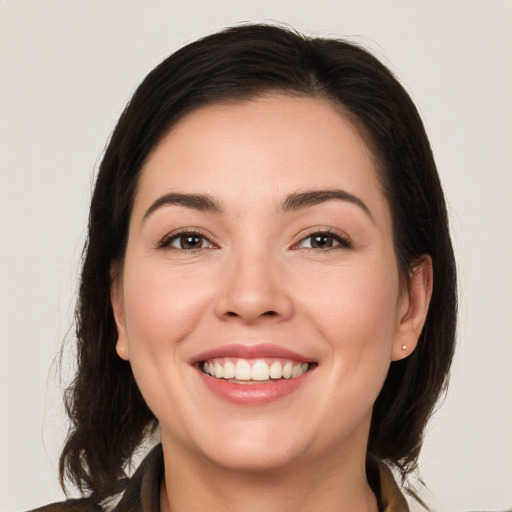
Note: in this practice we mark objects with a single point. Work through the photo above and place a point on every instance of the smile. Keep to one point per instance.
(245, 371)
(253, 374)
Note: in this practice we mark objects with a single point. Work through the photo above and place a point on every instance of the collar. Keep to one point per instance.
(143, 491)
(383, 484)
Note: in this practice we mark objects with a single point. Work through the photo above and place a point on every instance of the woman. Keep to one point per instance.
(268, 278)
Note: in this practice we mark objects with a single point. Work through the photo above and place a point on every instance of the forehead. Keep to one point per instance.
(258, 149)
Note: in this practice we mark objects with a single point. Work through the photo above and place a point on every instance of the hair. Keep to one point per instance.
(109, 417)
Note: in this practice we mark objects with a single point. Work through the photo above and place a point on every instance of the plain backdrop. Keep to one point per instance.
(68, 68)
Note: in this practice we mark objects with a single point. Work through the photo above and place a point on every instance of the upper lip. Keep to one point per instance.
(250, 352)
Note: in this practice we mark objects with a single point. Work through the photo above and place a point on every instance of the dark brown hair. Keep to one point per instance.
(109, 418)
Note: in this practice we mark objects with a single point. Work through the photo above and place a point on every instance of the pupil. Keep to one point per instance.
(322, 241)
(191, 242)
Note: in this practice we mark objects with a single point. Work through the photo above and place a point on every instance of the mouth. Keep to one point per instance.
(253, 374)
(253, 371)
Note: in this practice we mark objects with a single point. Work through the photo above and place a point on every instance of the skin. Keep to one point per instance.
(256, 279)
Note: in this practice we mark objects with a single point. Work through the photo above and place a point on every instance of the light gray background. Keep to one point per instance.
(67, 69)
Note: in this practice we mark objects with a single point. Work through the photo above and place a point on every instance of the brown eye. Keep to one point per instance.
(186, 242)
(324, 241)
(189, 242)
(321, 241)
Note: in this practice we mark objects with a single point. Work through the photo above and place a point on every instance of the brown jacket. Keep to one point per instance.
(143, 491)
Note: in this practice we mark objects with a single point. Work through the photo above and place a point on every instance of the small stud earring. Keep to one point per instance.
(404, 348)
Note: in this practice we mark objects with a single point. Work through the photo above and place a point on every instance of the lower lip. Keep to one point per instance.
(253, 394)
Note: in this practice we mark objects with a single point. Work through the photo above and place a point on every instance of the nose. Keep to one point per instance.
(253, 289)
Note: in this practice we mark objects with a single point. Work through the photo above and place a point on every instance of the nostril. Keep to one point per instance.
(266, 313)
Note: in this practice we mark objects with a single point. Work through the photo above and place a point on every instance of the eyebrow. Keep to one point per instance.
(201, 202)
(313, 197)
(295, 201)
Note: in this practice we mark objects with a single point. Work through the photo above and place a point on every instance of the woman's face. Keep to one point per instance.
(260, 251)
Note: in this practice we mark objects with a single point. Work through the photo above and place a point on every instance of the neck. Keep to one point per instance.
(193, 485)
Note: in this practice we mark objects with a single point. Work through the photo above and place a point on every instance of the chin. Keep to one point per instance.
(245, 445)
(254, 458)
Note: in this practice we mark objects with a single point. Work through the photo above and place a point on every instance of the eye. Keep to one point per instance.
(186, 241)
(323, 240)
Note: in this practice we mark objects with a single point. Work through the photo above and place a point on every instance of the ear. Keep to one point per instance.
(413, 308)
(117, 301)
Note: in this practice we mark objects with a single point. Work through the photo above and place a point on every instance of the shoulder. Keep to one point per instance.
(142, 493)
(76, 505)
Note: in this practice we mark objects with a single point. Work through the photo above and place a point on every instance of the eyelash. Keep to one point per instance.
(166, 242)
(343, 241)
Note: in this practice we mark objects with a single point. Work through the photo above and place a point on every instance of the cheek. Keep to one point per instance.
(163, 308)
(369, 292)
(355, 310)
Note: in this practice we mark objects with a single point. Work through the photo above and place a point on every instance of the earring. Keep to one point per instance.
(404, 348)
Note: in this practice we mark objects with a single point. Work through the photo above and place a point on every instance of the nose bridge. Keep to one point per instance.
(252, 286)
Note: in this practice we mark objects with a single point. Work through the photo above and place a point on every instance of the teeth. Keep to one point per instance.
(229, 370)
(256, 370)
(276, 370)
(299, 370)
(287, 370)
(260, 371)
(242, 370)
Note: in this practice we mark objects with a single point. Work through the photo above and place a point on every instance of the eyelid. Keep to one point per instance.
(344, 240)
(165, 241)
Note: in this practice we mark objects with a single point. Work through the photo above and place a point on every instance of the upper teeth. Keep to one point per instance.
(257, 369)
